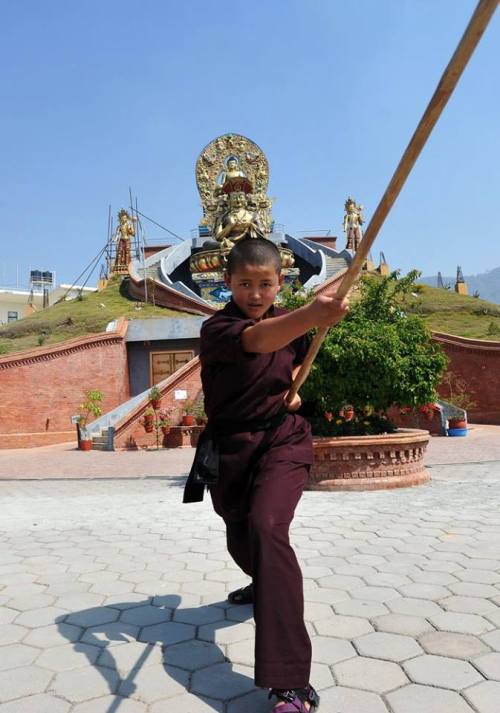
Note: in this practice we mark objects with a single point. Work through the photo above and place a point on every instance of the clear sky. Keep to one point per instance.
(101, 95)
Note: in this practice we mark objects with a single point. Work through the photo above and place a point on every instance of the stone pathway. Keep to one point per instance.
(112, 598)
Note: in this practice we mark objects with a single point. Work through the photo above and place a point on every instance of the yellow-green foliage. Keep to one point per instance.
(75, 318)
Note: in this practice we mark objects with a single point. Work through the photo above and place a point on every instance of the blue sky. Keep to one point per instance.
(100, 96)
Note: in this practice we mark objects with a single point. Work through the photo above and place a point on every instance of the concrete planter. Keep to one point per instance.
(369, 462)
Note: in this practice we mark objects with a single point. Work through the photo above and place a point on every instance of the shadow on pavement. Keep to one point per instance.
(187, 644)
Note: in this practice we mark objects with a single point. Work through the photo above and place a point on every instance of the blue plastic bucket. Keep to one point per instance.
(457, 431)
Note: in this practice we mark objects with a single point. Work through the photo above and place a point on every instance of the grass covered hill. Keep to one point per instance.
(74, 318)
(463, 315)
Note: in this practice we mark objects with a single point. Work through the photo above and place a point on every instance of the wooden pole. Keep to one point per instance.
(475, 29)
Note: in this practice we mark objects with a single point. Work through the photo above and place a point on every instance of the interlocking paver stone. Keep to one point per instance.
(153, 683)
(104, 704)
(402, 624)
(41, 703)
(376, 594)
(33, 601)
(199, 616)
(343, 627)
(390, 647)
(484, 696)
(467, 605)
(226, 633)
(369, 674)
(426, 699)
(15, 655)
(223, 681)
(23, 681)
(360, 608)
(442, 672)
(84, 684)
(349, 700)
(10, 633)
(93, 617)
(126, 658)
(329, 651)
(461, 623)
(190, 703)
(68, 656)
(445, 643)
(492, 638)
(489, 665)
(414, 607)
(194, 655)
(145, 615)
(110, 635)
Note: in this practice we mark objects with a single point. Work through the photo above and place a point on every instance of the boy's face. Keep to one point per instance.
(254, 288)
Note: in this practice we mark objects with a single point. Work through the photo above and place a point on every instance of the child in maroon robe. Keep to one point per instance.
(250, 352)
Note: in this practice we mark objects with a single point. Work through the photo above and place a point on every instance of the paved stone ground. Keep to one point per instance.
(112, 596)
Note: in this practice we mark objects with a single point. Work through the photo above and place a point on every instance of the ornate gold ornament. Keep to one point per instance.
(232, 164)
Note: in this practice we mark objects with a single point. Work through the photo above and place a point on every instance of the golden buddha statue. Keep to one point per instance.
(237, 221)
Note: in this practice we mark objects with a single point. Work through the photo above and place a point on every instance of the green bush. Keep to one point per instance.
(378, 356)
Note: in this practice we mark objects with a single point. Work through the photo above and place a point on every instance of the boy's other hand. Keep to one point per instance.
(294, 404)
(326, 311)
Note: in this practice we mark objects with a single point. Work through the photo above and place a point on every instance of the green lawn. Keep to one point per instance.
(74, 318)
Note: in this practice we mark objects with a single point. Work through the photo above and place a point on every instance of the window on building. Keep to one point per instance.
(12, 316)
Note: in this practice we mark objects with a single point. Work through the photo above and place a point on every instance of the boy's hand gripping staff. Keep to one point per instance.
(473, 33)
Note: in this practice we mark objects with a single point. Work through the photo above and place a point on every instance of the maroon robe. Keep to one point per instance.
(262, 476)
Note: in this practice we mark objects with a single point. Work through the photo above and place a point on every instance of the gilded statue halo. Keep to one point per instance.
(213, 162)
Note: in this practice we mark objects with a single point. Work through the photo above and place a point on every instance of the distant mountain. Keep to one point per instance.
(487, 284)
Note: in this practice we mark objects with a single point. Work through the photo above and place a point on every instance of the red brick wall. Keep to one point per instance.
(42, 389)
(478, 363)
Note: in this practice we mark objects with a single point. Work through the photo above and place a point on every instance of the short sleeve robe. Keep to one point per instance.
(243, 386)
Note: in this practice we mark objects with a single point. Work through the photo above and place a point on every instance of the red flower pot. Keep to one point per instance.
(85, 445)
(155, 403)
(187, 420)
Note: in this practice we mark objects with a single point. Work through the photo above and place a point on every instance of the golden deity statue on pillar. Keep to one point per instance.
(124, 232)
(353, 220)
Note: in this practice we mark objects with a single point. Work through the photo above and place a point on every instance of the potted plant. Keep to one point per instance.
(381, 355)
(148, 420)
(188, 414)
(155, 397)
(164, 422)
(199, 412)
(455, 392)
(89, 407)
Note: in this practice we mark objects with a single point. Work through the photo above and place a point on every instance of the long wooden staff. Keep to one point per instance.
(477, 25)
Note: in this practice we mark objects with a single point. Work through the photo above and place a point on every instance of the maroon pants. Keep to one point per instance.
(260, 545)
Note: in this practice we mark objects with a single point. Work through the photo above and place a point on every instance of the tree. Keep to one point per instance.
(378, 356)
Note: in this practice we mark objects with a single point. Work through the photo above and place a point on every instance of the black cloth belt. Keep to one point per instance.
(220, 427)
(205, 468)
